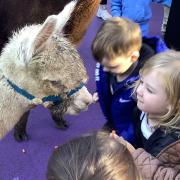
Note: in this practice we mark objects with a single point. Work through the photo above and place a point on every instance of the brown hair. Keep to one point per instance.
(117, 36)
(92, 157)
(167, 64)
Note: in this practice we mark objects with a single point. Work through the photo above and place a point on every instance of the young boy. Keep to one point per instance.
(120, 54)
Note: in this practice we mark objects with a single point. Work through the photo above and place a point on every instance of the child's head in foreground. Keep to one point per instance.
(117, 44)
(158, 90)
(92, 157)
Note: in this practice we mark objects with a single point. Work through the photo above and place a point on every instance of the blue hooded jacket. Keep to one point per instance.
(118, 107)
(138, 11)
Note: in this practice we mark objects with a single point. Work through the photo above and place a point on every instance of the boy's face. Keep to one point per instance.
(151, 96)
(118, 65)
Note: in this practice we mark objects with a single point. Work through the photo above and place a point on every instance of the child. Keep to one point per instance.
(137, 10)
(102, 11)
(92, 157)
(158, 99)
(116, 47)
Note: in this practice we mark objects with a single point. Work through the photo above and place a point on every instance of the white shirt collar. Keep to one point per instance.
(146, 130)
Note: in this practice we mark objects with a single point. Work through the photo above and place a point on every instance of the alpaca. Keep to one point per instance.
(40, 65)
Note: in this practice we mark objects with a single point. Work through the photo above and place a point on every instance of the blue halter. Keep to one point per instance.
(55, 99)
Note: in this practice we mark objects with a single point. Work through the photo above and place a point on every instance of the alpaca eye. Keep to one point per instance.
(55, 83)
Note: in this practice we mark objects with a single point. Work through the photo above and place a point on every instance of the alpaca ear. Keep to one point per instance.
(53, 24)
(81, 17)
(65, 15)
(45, 33)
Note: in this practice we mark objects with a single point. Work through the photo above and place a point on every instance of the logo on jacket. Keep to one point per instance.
(97, 78)
(121, 100)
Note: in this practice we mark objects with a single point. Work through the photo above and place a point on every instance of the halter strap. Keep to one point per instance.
(53, 98)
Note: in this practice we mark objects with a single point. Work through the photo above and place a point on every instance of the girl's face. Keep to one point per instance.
(151, 96)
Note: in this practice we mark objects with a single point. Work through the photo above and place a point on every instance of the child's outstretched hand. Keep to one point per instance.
(129, 146)
(95, 97)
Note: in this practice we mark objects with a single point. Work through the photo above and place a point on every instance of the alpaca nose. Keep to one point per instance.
(87, 103)
(88, 99)
(85, 96)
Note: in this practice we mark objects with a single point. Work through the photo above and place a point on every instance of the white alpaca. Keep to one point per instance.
(39, 61)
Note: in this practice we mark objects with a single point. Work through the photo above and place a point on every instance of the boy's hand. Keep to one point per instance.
(129, 146)
(95, 97)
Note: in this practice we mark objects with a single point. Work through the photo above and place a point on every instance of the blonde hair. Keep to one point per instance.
(167, 64)
(96, 156)
(117, 36)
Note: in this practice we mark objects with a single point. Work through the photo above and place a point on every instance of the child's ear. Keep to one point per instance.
(134, 56)
(169, 107)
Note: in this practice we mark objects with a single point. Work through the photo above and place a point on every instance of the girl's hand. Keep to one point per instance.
(129, 146)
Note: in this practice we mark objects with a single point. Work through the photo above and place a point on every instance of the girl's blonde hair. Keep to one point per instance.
(95, 156)
(168, 65)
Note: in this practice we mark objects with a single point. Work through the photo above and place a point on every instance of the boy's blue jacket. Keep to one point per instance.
(137, 10)
(118, 108)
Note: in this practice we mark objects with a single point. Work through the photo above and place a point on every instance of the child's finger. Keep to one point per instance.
(95, 97)
(121, 140)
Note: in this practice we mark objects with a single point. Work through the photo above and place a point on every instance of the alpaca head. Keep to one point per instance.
(42, 61)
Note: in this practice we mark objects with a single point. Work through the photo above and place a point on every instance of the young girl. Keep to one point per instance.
(92, 157)
(158, 99)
